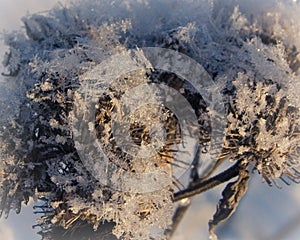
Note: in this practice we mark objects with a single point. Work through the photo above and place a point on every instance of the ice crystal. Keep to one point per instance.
(252, 57)
(263, 129)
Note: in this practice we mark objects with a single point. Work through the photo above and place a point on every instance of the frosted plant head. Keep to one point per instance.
(263, 129)
(144, 118)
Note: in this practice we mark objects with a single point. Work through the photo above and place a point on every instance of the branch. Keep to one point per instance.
(202, 186)
(178, 216)
(185, 204)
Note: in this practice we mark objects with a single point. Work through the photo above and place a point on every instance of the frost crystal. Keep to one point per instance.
(263, 129)
(251, 56)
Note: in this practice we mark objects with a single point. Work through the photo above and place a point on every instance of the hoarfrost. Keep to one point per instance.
(251, 55)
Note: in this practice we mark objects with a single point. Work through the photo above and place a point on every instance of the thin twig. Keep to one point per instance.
(202, 186)
(177, 217)
(184, 205)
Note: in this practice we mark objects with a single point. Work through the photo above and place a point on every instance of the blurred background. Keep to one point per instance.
(265, 213)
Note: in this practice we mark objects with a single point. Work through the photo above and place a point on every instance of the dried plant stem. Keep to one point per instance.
(202, 186)
(185, 203)
(198, 186)
(177, 217)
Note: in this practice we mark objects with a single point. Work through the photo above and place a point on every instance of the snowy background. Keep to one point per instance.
(265, 213)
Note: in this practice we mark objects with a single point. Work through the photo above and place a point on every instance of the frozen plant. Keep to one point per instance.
(252, 59)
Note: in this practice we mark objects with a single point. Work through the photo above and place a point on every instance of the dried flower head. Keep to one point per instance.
(263, 129)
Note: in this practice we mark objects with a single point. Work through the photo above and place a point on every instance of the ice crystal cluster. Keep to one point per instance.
(251, 55)
(263, 129)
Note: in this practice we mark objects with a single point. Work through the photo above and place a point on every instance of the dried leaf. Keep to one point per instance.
(232, 195)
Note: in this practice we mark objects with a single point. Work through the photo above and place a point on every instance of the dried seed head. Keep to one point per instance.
(263, 129)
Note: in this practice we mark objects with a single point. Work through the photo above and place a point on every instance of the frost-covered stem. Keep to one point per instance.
(185, 203)
(178, 216)
(202, 186)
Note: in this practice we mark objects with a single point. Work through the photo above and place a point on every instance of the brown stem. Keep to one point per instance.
(202, 186)
(178, 216)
